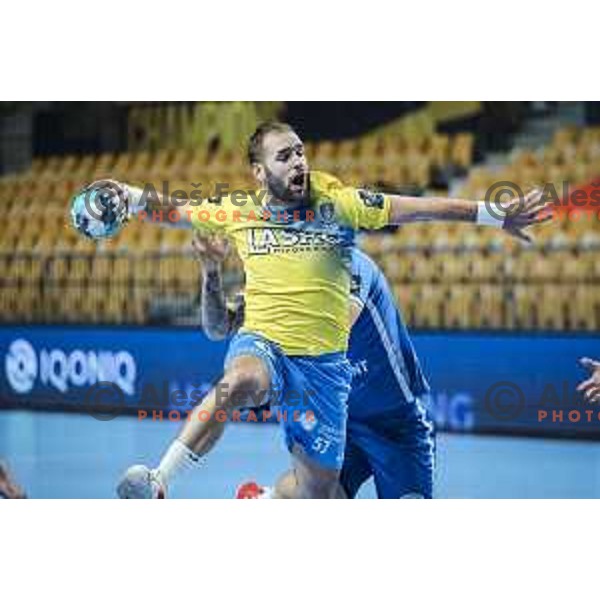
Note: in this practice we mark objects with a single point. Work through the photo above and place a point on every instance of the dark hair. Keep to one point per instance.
(255, 145)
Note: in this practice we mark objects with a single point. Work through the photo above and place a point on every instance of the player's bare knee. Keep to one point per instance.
(245, 383)
(240, 381)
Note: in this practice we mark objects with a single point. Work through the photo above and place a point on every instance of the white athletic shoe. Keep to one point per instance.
(140, 483)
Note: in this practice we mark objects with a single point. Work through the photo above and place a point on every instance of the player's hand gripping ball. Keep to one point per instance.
(101, 209)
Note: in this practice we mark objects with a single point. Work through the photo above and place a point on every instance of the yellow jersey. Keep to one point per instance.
(297, 262)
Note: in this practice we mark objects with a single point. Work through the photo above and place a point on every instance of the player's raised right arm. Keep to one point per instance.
(158, 207)
(108, 200)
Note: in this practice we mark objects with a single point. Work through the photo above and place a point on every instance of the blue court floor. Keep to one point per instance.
(74, 456)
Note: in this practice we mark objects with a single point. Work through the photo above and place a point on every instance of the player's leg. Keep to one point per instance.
(316, 440)
(305, 480)
(308, 479)
(409, 477)
(356, 469)
(401, 452)
(8, 487)
(246, 379)
(286, 486)
(313, 411)
(289, 486)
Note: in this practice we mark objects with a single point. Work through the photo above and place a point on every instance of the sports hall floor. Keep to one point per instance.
(58, 455)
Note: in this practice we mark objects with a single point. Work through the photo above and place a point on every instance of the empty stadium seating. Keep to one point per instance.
(453, 276)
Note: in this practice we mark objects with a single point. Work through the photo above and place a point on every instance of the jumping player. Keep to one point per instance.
(388, 435)
(295, 240)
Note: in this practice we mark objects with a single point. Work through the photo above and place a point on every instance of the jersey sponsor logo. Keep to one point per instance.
(327, 212)
(371, 199)
(266, 240)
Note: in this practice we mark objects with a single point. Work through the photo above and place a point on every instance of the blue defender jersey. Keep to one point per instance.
(387, 376)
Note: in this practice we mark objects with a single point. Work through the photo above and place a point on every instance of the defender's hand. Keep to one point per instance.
(590, 388)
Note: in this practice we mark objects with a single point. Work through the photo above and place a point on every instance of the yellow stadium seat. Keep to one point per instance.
(488, 308)
(435, 270)
(522, 306)
(428, 307)
(325, 158)
(121, 269)
(551, 309)
(456, 305)
(397, 266)
(102, 268)
(85, 169)
(58, 268)
(438, 149)
(461, 153)
(583, 307)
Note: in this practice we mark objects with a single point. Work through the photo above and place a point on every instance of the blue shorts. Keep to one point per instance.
(398, 452)
(309, 394)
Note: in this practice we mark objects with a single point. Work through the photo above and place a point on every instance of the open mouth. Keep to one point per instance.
(298, 181)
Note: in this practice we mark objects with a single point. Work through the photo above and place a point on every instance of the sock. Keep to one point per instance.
(178, 458)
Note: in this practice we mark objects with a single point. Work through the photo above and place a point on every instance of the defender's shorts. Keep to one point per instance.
(398, 452)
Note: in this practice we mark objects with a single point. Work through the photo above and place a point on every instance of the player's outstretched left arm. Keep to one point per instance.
(590, 388)
(514, 217)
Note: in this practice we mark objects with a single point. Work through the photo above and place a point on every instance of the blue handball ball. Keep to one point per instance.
(100, 210)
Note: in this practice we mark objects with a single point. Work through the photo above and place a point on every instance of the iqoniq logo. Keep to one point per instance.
(61, 370)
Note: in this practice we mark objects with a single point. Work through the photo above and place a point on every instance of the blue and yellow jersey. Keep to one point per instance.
(297, 263)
